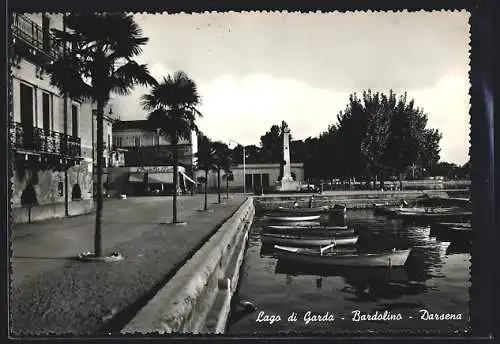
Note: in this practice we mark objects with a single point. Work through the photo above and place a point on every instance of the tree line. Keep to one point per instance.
(376, 137)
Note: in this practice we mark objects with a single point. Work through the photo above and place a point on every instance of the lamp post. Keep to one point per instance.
(244, 167)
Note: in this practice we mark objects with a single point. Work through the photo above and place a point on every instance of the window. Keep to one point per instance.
(265, 180)
(117, 141)
(60, 189)
(248, 181)
(109, 141)
(46, 111)
(74, 120)
(137, 141)
(27, 114)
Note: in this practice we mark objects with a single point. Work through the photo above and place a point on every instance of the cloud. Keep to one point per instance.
(243, 109)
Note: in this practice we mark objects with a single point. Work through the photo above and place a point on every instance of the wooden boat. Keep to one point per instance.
(320, 256)
(304, 231)
(307, 240)
(311, 227)
(434, 215)
(323, 210)
(272, 217)
(423, 203)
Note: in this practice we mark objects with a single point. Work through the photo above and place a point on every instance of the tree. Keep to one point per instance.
(100, 62)
(172, 105)
(382, 134)
(205, 161)
(223, 161)
(378, 109)
(351, 129)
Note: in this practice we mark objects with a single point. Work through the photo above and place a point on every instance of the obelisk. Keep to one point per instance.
(287, 172)
(287, 183)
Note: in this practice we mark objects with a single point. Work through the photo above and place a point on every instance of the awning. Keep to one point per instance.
(160, 178)
(136, 177)
(187, 177)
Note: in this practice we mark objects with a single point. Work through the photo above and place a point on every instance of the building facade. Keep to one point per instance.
(148, 161)
(253, 176)
(50, 135)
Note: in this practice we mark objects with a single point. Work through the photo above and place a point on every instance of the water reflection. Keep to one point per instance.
(361, 284)
(435, 276)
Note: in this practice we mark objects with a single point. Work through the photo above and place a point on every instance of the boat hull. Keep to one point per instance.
(300, 231)
(433, 216)
(312, 227)
(325, 210)
(387, 259)
(291, 218)
(278, 239)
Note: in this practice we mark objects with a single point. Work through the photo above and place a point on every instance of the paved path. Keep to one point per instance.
(53, 292)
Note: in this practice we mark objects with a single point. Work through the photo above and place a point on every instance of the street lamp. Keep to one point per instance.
(244, 169)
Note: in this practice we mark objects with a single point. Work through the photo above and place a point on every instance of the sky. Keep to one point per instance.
(256, 69)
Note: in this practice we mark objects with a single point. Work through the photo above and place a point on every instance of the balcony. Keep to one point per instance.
(39, 140)
(32, 42)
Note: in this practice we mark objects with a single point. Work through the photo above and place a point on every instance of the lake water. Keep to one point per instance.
(435, 279)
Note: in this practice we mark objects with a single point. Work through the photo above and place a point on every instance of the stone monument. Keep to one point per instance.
(287, 183)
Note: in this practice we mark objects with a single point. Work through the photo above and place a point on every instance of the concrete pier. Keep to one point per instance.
(198, 297)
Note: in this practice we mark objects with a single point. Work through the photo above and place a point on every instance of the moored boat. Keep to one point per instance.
(308, 240)
(307, 231)
(434, 215)
(322, 210)
(311, 227)
(392, 258)
(273, 217)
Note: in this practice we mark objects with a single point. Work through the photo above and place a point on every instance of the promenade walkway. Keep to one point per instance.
(51, 292)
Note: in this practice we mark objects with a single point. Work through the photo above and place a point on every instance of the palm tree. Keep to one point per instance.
(172, 105)
(205, 161)
(100, 62)
(222, 162)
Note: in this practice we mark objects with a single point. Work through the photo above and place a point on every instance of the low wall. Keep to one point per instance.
(50, 211)
(197, 299)
(352, 200)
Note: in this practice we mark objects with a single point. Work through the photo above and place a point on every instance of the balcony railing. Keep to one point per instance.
(44, 141)
(31, 33)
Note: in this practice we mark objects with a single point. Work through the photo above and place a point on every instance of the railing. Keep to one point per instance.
(44, 141)
(32, 33)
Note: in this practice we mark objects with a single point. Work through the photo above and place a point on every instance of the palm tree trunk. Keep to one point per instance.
(218, 183)
(99, 165)
(176, 180)
(206, 197)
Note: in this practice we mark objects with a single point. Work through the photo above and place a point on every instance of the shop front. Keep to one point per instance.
(158, 180)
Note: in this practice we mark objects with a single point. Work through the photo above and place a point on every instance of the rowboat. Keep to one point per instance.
(322, 210)
(307, 240)
(311, 227)
(303, 231)
(423, 203)
(320, 256)
(434, 215)
(271, 217)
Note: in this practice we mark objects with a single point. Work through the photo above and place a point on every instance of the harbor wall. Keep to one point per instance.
(198, 298)
(351, 199)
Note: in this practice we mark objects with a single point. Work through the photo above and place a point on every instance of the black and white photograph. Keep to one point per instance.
(240, 173)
